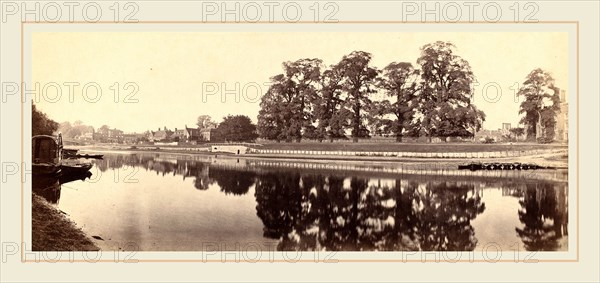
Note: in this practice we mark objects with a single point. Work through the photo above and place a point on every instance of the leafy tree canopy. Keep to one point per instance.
(238, 128)
(541, 104)
(41, 124)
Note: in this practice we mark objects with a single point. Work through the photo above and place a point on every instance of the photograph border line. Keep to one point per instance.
(576, 23)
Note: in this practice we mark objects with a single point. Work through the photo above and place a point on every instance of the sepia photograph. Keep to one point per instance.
(300, 141)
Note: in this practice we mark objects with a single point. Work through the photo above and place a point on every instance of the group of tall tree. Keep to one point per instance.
(310, 101)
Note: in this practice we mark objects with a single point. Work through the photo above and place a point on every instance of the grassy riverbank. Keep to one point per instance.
(53, 231)
(408, 147)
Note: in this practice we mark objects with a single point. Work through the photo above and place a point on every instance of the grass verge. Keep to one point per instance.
(53, 231)
(407, 147)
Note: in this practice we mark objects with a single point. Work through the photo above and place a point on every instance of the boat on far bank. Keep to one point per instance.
(474, 166)
(73, 153)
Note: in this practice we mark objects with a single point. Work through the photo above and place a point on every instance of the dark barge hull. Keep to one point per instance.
(94, 156)
(46, 169)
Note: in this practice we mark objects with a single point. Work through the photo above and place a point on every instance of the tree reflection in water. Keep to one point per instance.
(278, 201)
(444, 220)
(544, 214)
(328, 213)
(232, 182)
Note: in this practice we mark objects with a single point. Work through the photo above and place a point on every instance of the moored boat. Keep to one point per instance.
(47, 157)
(74, 166)
(46, 154)
(65, 178)
(93, 156)
(75, 169)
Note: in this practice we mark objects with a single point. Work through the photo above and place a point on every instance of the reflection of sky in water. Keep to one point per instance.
(160, 213)
(497, 224)
(186, 205)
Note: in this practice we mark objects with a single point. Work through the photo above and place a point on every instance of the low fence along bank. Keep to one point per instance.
(493, 154)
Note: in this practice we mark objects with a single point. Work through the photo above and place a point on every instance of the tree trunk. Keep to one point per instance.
(398, 131)
(429, 138)
(356, 117)
(532, 132)
(356, 126)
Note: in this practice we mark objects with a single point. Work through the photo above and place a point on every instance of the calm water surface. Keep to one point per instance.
(167, 202)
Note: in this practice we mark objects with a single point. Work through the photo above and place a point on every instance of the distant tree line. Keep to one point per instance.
(71, 131)
(310, 101)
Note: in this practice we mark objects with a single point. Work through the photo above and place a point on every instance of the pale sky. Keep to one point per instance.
(171, 69)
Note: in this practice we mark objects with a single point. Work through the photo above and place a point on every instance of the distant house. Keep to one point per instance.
(211, 135)
(115, 136)
(106, 135)
(161, 135)
(187, 134)
(103, 131)
(149, 135)
(99, 137)
(179, 134)
(132, 138)
(561, 128)
(85, 136)
(562, 119)
(193, 134)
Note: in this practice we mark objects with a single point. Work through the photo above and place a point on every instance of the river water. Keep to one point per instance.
(170, 202)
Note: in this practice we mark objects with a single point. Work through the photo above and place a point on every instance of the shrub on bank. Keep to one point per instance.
(544, 140)
(489, 140)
